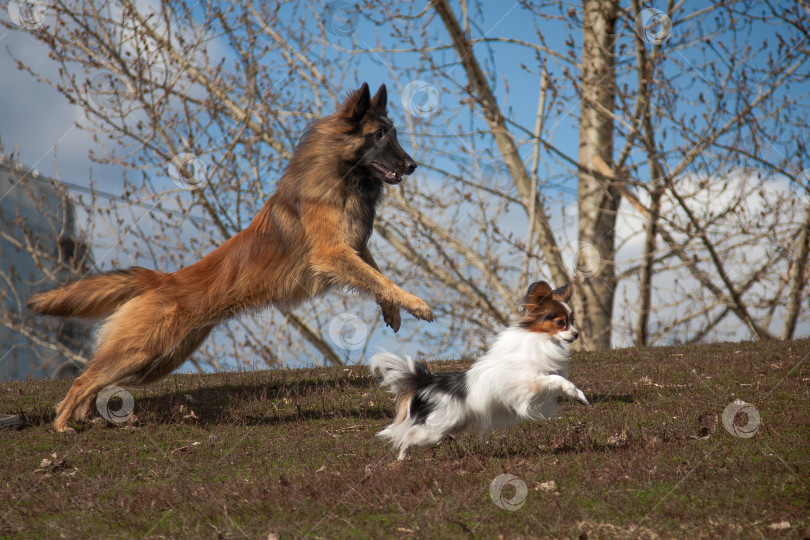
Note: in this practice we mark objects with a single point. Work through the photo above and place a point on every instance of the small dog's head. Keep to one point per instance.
(547, 311)
(372, 143)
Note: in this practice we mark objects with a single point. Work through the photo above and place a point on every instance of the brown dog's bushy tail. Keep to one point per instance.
(94, 296)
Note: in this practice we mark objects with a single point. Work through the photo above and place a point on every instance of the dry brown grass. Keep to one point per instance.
(292, 452)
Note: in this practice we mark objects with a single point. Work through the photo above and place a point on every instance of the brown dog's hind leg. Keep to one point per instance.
(130, 340)
(143, 341)
(105, 370)
(85, 409)
(66, 408)
(134, 367)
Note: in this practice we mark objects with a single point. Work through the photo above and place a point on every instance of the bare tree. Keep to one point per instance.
(685, 176)
(598, 200)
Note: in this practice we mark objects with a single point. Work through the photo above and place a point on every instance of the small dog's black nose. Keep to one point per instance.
(576, 335)
(410, 166)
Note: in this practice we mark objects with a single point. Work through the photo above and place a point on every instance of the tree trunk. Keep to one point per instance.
(657, 182)
(598, 200)
(797, 281)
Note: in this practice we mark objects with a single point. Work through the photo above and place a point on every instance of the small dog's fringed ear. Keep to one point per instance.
(563, 294)
(357, 104)
(537, 293)
(379, 103)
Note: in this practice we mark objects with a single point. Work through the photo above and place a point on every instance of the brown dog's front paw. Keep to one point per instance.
(390, 313)
(419, 309)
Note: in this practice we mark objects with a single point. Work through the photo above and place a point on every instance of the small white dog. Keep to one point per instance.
(521, 377)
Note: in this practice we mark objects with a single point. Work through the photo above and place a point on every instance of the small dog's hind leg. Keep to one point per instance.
(419, 436)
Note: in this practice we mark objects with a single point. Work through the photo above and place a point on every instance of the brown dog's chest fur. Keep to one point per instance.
(253, 269)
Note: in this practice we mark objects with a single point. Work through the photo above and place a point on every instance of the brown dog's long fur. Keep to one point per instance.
(311, 234)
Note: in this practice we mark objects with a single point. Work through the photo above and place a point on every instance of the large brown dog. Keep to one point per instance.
(310, 235)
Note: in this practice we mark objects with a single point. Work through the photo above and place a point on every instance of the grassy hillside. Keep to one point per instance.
(292, 453)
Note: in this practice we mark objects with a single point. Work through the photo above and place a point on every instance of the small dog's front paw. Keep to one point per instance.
(570, 390)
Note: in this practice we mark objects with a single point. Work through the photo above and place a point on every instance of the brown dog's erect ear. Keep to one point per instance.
(563, 294)
(537, 293)
(379, 102)
(357, 104)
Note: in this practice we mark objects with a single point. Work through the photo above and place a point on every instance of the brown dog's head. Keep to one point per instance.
(371, 143)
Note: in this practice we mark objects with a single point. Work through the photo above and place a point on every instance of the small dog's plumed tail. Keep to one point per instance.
(428, 406)
(94, 296)
(403, 378)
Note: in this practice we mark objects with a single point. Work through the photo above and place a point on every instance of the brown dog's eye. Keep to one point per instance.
(560, 323)
(379, 134)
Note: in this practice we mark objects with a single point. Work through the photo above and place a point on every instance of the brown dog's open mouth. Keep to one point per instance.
(390, 176)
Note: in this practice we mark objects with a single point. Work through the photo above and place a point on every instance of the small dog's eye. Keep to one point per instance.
(379, 134)
(560, 323)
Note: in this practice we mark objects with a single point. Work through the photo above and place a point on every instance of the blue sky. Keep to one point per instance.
(38, 120)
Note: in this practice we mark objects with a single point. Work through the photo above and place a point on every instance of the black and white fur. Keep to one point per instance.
(521, 377)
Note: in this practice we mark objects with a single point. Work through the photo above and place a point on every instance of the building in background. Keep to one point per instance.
(38, 250)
